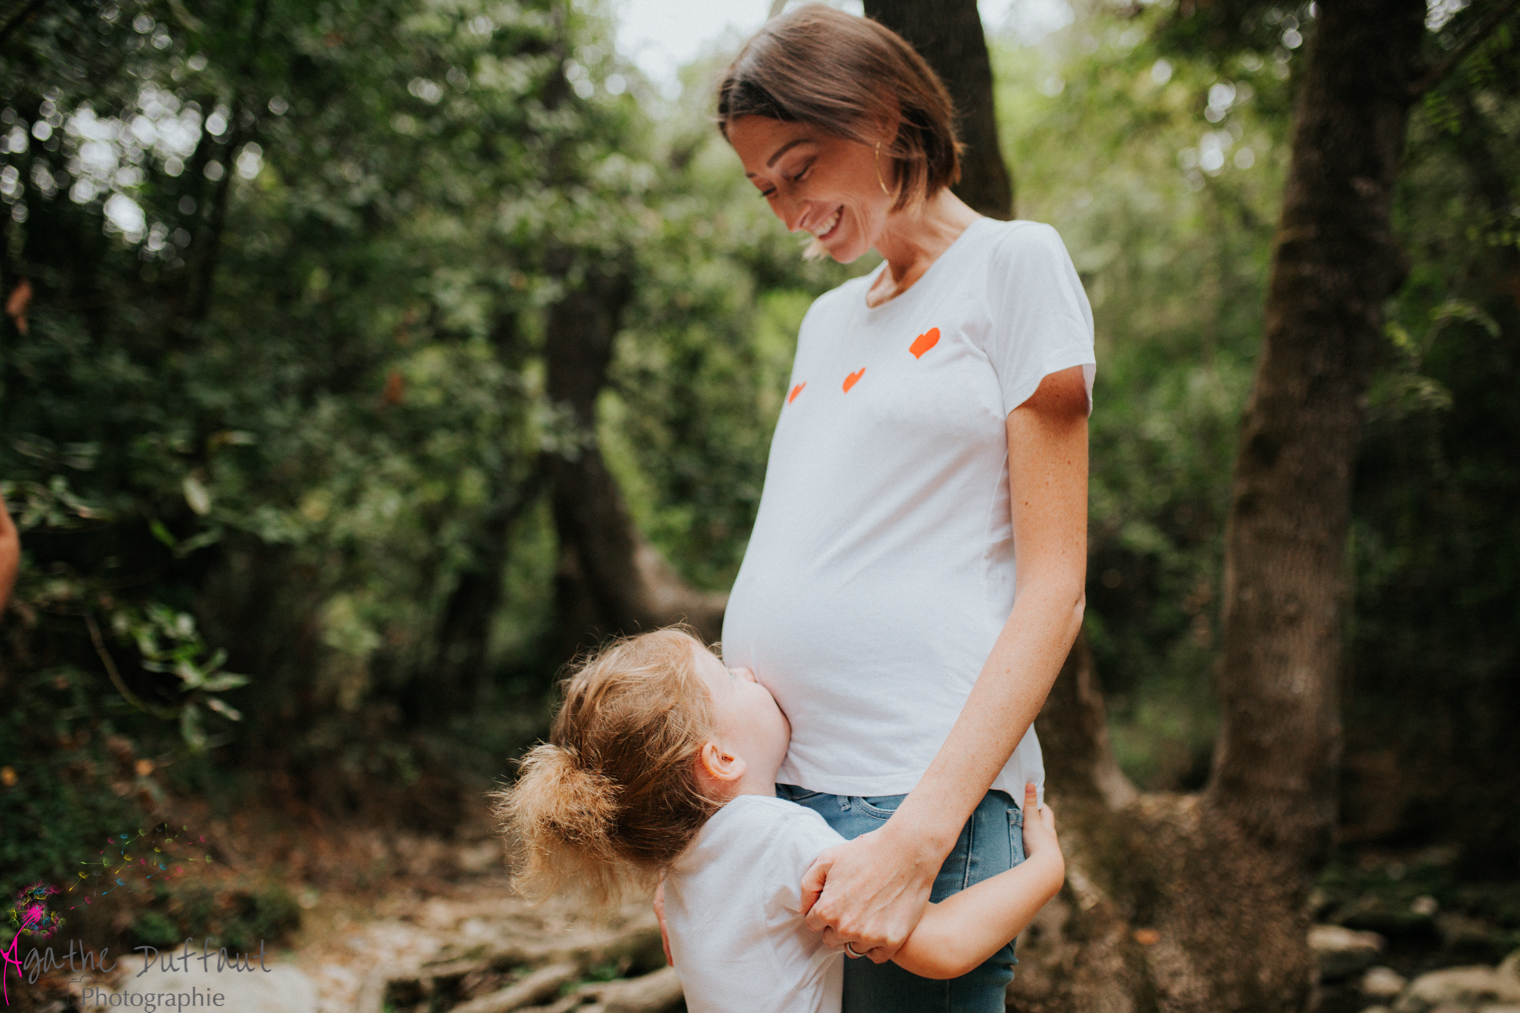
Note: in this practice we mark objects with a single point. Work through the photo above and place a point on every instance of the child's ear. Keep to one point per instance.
(720, 765)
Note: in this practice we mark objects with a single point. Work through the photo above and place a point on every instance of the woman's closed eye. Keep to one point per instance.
(797, 178)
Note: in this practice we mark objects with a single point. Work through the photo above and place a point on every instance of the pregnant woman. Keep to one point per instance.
(915, 576)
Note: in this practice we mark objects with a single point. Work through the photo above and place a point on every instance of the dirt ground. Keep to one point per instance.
(372, 901)
(378, 902)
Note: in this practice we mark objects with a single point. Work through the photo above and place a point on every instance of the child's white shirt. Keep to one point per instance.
(732, 912)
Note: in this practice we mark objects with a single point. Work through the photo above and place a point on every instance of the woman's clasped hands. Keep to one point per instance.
(870, 892)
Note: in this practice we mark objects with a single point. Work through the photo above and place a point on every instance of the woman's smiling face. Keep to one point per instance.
(815, 182)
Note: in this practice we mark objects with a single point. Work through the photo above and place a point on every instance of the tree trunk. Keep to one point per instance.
(1167, 905)
(948, 34)
(1285, 585)
(609, 578)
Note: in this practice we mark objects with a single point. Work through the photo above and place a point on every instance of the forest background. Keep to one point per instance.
(341, 338)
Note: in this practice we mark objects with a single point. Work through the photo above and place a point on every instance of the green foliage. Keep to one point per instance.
(57, 799)
(1420, 899)
(274, 396)
(1436, 539)
(1222, 28)
(307, 347)
(237, 920)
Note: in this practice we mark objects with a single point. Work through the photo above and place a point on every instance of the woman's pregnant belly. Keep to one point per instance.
(871, 669)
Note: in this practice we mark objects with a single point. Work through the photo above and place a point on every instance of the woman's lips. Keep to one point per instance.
(830, 225)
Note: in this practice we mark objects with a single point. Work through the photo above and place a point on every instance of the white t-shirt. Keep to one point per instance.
(880, 569)
(731, 908)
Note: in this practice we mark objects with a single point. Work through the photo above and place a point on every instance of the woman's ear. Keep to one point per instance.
(885, 127)
(720, 765)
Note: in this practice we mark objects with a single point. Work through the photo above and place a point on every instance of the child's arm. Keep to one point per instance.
(958, 933)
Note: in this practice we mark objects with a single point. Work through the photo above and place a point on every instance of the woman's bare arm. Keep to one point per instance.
(872, 891)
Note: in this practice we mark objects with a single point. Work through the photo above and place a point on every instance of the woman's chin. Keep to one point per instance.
(841, 253)
(842, 243)
(844, 252)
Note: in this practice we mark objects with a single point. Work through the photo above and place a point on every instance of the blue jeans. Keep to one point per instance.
(992, 841)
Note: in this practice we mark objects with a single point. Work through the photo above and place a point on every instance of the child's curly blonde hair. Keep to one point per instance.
(613, 796)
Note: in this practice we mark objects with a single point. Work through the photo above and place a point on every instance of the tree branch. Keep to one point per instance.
(116, 679)
(1462, 49)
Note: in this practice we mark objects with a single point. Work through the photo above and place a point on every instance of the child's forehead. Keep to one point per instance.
(703, 653)
(713, 679)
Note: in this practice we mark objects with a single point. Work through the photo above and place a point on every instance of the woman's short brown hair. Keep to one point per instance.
(849, 77)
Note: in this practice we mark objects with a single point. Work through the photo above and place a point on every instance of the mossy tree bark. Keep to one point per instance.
(1285, 587)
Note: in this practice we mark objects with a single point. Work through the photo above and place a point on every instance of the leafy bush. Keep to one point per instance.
(238, 920)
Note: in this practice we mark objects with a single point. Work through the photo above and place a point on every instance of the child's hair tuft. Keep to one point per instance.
(613, 796)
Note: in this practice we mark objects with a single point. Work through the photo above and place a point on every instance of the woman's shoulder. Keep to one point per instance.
(1027, 260)
(1010, 242)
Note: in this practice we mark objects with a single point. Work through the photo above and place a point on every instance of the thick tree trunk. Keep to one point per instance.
(1285, 587)
(1167, 905)
(948, 34)
(609, 579)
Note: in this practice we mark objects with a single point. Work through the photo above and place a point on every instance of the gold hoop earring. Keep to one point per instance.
(878, 171)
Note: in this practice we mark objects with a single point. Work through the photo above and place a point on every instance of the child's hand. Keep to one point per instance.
(1039, 826)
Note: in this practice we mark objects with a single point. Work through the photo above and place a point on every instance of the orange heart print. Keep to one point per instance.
(924, 342)
(795, 391)
(853, 378)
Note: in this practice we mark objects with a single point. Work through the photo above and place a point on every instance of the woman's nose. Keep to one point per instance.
(792, 213)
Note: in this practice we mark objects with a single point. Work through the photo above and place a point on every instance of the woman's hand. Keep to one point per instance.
(869, 892)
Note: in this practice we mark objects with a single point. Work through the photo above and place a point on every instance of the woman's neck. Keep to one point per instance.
(914, 238)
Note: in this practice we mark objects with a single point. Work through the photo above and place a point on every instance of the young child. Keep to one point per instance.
(662, 761)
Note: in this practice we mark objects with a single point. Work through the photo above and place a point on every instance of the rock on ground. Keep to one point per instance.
(1383, 983)
(1509, 969)
(1459, 990)
(281, 989)
(1341, 952)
